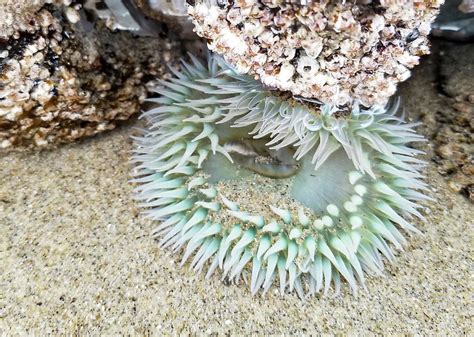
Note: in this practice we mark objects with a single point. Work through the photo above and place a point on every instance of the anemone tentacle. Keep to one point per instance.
(357, 182)
(290, 122)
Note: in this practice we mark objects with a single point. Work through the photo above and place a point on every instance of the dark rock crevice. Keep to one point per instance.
(440, 94)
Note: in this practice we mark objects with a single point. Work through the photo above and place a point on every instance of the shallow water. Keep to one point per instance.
(76, 257)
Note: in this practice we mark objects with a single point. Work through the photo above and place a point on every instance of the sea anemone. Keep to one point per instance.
(333, 50)
(266, 187)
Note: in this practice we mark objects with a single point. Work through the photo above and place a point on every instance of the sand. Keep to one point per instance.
(76, 258)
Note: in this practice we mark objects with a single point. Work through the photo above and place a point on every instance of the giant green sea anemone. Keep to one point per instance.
(269, 188)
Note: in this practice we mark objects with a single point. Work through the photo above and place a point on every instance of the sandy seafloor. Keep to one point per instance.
(76, 258)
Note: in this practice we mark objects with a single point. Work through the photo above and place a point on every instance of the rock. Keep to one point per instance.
(65, 75)
(457, 69)
(440, 95)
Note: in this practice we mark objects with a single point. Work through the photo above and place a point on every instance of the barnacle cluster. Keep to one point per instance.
(332, 50)
(269, 189)
(65, 75)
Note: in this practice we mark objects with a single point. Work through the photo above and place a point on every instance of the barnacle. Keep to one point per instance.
(64, 75)
(332, 50)
(349, 188)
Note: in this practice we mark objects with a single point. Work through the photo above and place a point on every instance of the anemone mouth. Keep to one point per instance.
(250, 170)
(235, 202)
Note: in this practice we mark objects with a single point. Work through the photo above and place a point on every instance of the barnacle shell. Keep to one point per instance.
(362, 49)
(335, 216)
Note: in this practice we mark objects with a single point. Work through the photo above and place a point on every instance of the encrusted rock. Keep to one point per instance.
(64, 76)
(335, 51)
